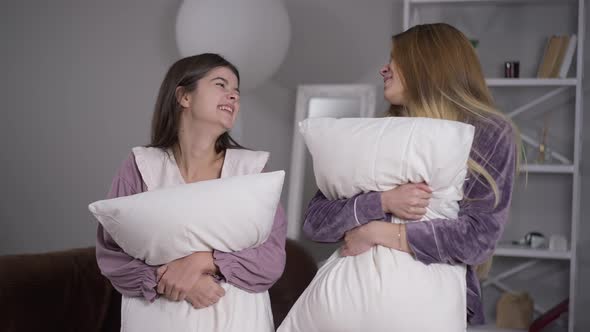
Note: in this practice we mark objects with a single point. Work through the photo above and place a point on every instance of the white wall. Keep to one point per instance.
(78, 83)
(79, 79)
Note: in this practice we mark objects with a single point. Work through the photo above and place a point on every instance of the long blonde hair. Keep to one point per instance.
(442, 79)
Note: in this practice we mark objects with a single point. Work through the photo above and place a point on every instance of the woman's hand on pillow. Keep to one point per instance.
(177, 278)
(408, 201)
(359, 239)
(205, 293)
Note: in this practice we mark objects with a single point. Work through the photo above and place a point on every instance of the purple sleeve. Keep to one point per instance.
(471, 239)
(327, 220)
(256, 269)
(130, 276)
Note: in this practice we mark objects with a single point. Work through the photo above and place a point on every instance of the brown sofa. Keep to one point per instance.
(64, 291)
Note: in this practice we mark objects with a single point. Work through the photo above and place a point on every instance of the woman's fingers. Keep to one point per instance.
(419, 211)
(343, 250)
(424, 187)
(161, 287)
(425, 195)
(160, 272)
(220, 292)
(423, 203)
(198, 305)
(416, 211)
(346, 253)
(182, 294)
(206, 292)
(173, 293)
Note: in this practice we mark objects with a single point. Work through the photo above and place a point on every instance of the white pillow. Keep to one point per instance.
(385, 289)
(354, 155)
(228, 214)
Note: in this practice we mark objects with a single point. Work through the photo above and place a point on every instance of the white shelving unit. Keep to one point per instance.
(531, 82)
(568, 167)
(516, 251)
(556, 169)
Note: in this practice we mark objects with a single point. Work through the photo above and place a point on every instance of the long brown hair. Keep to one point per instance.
(443, 79)
(185, 73)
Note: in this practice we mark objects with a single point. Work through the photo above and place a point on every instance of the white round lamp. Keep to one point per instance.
(252, 34)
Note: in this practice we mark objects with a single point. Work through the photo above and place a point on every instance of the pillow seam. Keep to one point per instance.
(406, 149)
(376, 152)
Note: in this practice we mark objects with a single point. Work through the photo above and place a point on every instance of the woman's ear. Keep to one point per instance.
(183, 98)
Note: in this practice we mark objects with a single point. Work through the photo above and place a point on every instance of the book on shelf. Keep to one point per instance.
(548, 58)
(557, 57)
(562, 42)
(569, 56)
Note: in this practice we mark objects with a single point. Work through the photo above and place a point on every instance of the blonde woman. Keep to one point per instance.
(435, 73)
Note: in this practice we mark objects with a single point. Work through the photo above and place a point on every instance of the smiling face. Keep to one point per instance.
(393, 88)
(215, 101)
